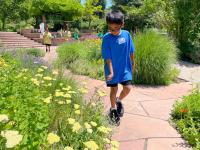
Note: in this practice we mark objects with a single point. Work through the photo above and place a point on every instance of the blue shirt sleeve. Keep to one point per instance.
(132, 48)
(106, 51)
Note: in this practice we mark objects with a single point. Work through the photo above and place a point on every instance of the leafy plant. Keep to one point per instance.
(154, 57)
(186, 115)
(43, 110)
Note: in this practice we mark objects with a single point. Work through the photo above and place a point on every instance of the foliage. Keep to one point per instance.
(154, 57)
(83, 57)
(90, 10)
(47, 110)
(35, 52)
(142, 14)
(70, 9)
(14, 10)
(186, 115)
(188, 28)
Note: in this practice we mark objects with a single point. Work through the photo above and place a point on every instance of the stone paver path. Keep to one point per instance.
(145, 125)
(189, 72)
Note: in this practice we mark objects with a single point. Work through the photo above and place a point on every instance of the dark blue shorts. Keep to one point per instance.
(124, 83)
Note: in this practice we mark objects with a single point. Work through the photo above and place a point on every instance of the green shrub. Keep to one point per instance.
(35, 52)
(83, 57)
(40, 101)
(68, 53)
(186, 115)
(154, 56)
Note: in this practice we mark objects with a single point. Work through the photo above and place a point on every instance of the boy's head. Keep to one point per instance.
(115, 21)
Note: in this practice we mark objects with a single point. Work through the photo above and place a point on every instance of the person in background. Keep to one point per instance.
(47, 39)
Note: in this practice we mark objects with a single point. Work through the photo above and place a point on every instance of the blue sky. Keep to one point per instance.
(109, 3)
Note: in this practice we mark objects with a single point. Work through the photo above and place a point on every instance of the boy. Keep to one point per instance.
(118, 55)
(47, 39)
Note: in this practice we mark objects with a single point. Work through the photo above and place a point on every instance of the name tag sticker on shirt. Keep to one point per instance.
(121, 40)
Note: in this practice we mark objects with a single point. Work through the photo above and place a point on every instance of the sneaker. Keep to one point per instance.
(114, 117)
(120, 108)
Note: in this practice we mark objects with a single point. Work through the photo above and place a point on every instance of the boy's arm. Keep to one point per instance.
(110, 67)
(132, 58)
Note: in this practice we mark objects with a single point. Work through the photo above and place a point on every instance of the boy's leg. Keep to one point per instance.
(113, 115)
(126, 90)
(113, 96)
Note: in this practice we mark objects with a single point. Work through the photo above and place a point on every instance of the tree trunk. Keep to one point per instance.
(90, 21)
(4, 23)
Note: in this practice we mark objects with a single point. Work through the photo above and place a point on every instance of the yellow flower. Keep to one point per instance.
(93, 104)
(106, 140)
(68, 148)
(89, 130)
(76, 106)
(68, 101)
(4, 118)
(61, 102)
(35, 81)
(13, 138)
(55, 72)
(47, 78)
(11, 123)
(38, 75)
(2, 62)
(67, 88)
(101, 93)
(40, 70)
(78, 112)
(71, 92)
(104, 129)
(50, 84)
(59, 94)
(24, 70)
(53, 138)
(48, 99)
(44, 67)
(71, 120)
(115, 144)
(67, 96)
(94, 124)
(83, 90)
(76, 127)
(91, 145)
(87, 125)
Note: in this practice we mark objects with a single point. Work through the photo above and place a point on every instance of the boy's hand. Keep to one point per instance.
(109, 77)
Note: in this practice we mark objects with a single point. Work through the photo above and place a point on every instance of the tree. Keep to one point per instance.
(69, 9)
(187, 29)
(101, 3)
(90, 10)
(13, 10)
(145, 13)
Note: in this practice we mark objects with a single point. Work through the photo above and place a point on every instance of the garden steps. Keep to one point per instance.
(14, 40)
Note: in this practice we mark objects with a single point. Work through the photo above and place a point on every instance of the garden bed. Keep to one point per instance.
(39, 109)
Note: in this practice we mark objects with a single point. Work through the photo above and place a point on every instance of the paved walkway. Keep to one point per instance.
(145, 125)
(189, 72)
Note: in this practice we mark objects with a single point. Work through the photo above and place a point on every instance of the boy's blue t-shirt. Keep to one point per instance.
(118, 48)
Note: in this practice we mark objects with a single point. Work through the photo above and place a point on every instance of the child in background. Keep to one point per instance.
(47, 39)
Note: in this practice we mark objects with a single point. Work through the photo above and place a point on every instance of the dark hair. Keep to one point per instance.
(115, 17)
